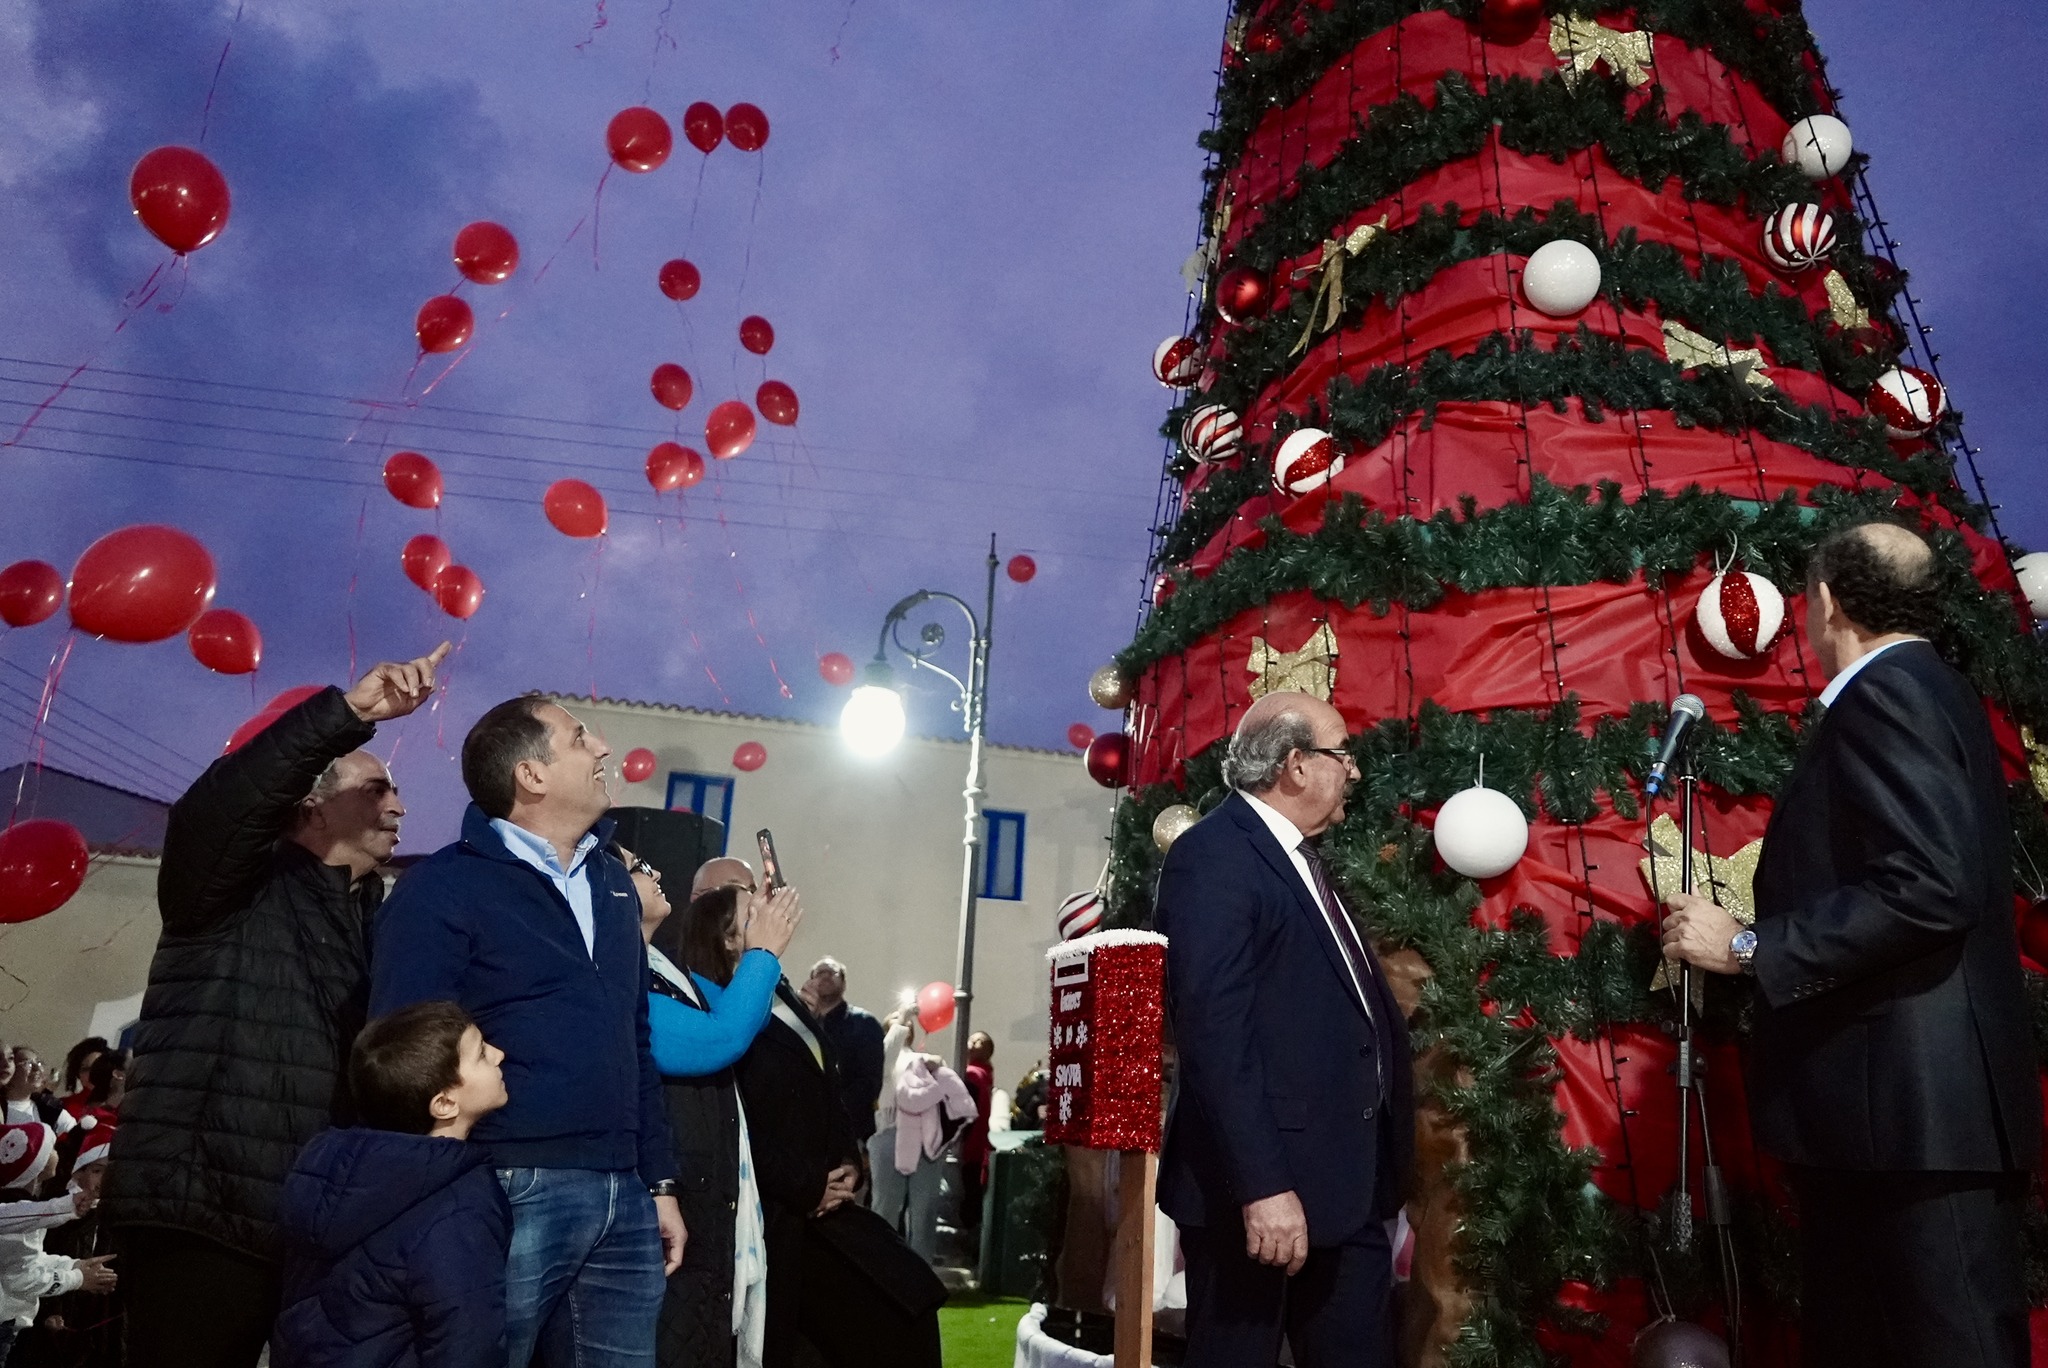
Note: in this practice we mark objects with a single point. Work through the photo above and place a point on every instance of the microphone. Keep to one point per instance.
(1686, 710)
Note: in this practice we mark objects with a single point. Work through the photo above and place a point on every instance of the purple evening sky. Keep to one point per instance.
(966, 229)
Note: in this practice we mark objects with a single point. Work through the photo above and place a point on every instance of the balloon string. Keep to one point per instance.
(661, 40)
(689, 620)
(696, 198)
(840, 36)
(37, 740)
(132, 303)
(747, 259)
(445, 678)
(590, 637)
(597, 214)
(206, 114)
(599, 19)
(355, 573)
(733, 562)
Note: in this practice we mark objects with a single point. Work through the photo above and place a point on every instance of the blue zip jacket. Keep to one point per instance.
(689, 1043)
(395, 1252)
(474, 924)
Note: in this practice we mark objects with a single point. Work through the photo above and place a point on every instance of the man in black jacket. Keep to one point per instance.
(1891, 1065)
(257, 989)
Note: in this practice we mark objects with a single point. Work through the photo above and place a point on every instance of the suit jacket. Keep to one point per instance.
(1894, 1029)
(1278, 1085)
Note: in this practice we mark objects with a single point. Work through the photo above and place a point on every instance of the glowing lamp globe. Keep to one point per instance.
(1481, 832)
(872, 720)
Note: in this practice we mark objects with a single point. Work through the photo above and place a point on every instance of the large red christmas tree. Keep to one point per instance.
(1548, 311)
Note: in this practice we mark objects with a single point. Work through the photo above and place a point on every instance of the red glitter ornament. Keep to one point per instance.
(1108, 1028)
(1242, 295)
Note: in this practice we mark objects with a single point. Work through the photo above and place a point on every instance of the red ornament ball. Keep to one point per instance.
(459, 590)
(1909, 400)
(180, 196)
(226, 642)
(1109, 760)
(140, 584)
(704, 126)
(1079, 735)
(1798, 237)
(671, 386)
(31, 591)
(1022, 569)
(443, 324)
(680, 280)
(1212, 433)
(777, 403)
(575, 508)
(729, 429)
(638, 139)
(413, 480)
(746, 127)
(1080, 914)
(42, 863)
(835, 668)
(757, 334)
(1243, 294)
(1307, 460)
(638, 766)
(486, 253)
(671, 465)
(749, 756)
(1510, 22)
(1176, 362)
(424, 558)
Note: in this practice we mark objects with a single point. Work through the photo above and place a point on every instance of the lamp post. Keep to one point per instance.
(872, 723)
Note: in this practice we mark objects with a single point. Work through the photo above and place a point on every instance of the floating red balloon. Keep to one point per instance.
(750, 756)
(680, 280)
(226, 642)
(486, 252)
(274, 709)
(746, 127)
(673, 466)
(729, 430)
(1109, 759)
(638, 766)
(413, 480)
(424, 557)
(575, 508)
(777, 402)
(142, 583)
(671, 386)
(638, 138)
(835, 668)
(704, 126)
(1022, 569)
(1079, 735)
(935, 1006)
(31, 591)
(443, 324)
(459, 591)
(42, 863)
(180, 196)
(757, 334)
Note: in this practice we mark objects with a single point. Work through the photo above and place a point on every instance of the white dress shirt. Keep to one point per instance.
(1290, 838)
(571, 883)
(1841, 681)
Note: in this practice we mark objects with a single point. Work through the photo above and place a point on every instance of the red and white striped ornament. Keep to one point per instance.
(1079, 915)
(1908, 400)
(1309, 459)
(1740, 614)
(1212, 433)
(1799, 236)
(1176, 362)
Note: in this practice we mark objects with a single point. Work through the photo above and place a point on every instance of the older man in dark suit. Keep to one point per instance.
(1892, 1064)
(1293, 1122)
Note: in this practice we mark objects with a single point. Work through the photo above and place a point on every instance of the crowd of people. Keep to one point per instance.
(521, 1111)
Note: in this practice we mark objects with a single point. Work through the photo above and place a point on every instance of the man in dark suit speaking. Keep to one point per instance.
(1891, 1065)
(1292, 1125)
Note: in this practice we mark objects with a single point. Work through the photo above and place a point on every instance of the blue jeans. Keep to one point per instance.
(584, 1280)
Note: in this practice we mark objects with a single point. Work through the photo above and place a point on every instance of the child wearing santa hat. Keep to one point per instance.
(77, 1329)
(28, 1153)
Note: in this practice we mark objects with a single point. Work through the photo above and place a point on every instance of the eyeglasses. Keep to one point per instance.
(641, 866)
(1337, 753)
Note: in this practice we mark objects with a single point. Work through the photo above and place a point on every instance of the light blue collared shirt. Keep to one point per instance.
(1841, 681)
(571, 883)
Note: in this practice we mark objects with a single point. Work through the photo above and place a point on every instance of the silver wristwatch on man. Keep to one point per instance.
(1743, 947)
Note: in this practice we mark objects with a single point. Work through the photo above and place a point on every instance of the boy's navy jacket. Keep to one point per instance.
(394, 1255)
(474, 924)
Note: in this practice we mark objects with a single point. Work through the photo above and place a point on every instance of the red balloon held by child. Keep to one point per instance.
(704, 126)
(575, 508)
(680, 280)
(757, 334)
(443, 324)
(180, 196)
(271, 711)
(413, 480)
(424, 557)
(459, 591)
(638, 766)
(671, 386)
(729, 429)
(226, 642)
(638, 139)
(31, 591)
(935, 1006)
(746, 127)
(486, 253)
(42, 863)
(142, 583)
(835, 668)
(750, 756)
(777, 402)
(670, 465)
(1022, 569)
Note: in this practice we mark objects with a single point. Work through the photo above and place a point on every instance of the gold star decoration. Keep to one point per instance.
(1842, 306)
(1687, 348)
(1331, 287)
(1726, 881)
(1582, 44)
(2037, 762)
(1311, 670)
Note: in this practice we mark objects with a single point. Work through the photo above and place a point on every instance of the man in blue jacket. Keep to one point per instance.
(534, 929)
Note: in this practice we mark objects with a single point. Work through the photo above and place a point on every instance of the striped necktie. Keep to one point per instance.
(1347, 938)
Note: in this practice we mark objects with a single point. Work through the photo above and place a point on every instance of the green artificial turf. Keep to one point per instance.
(980, 1332)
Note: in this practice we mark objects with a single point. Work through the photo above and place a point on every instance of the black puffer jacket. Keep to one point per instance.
(257, 989)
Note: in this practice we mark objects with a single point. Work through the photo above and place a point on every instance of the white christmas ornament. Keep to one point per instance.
(1909, 400)
(1562, 277)
(2032, 571)
(1481, 832)
(1212, 433)
(1176, 362)
(1819, 145)
(1798, 236)
(1307, 460)
(1740, 614)
(1079, 914)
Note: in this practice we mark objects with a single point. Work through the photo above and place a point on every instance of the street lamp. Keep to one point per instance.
(872, 723)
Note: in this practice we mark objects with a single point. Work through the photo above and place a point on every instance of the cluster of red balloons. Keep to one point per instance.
(180, 196)
(428, 563)
(670, 466)
(137, 584)
(485, 253)
(640, 139)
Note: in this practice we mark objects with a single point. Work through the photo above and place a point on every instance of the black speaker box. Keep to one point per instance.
(675, 843)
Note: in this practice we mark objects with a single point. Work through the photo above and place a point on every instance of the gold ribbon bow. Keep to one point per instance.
(1202, 261)
(1842, 305)
(1582, 44)
(1311, 670)
(1331, 286)
(2037, 762)
(1726, 881)
(1688, 349)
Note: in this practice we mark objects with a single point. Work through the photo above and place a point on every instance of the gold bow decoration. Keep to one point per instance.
(1727, 881)
(2037, 762)
(1582, 44)
(1686, 348)
(1842, 306)
(1331, 286)
(1312, 669)
(1202, 261)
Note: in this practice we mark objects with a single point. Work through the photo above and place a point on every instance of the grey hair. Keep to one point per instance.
(827, 962)
(327, 783)
(1258, 752)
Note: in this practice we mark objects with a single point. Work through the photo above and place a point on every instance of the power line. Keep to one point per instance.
(75, 753)
(140, 735)
(30, 705)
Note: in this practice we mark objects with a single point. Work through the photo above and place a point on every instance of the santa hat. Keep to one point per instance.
(99, 1138)
(24, 1150)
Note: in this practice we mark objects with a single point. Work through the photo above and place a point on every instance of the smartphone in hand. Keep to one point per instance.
(771, 868)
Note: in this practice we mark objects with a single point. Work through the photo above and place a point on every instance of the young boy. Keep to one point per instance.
(396, 1230)
(28, 1153)
(79, 1329)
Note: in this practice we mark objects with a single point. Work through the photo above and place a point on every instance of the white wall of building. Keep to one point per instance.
(56, 970)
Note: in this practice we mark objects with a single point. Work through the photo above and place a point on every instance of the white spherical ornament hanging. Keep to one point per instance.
(2032, 572)
(1212, 433)
(1740, 614)
(1481, 832)
(1818, 145)
(1909, 401)
(1561, 278)
(1306, 461)
(1170, 823)
(1079, 915)
(1799, 236)
(1176, 362)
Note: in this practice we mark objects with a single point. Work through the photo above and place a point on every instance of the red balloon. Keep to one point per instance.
(1510, 22)
(673, 466)
(575, 508)
(42, 863)
(141, 583)
(777, 402)
(638, 138)
(486, 252)
(274, 709)
(1109, 759)
(1079, 735)
(671, 386)
(459, 591)
(443, 324)
(704, 126)
(638, 765)
(836, 668)
(424, 557)
(757, 334)
(935, 1006)
(750, 756)
(31, 591)
(1022, 569)
(729, 430)
(413, 480)
(680, 280)
(180, 196)
(226, 642)
(746, 127)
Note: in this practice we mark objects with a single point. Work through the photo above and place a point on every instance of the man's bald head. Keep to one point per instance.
(726, 871)
(1882, 577)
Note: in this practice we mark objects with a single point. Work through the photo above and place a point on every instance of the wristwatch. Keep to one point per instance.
(1743, 947)
(667, 1186)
